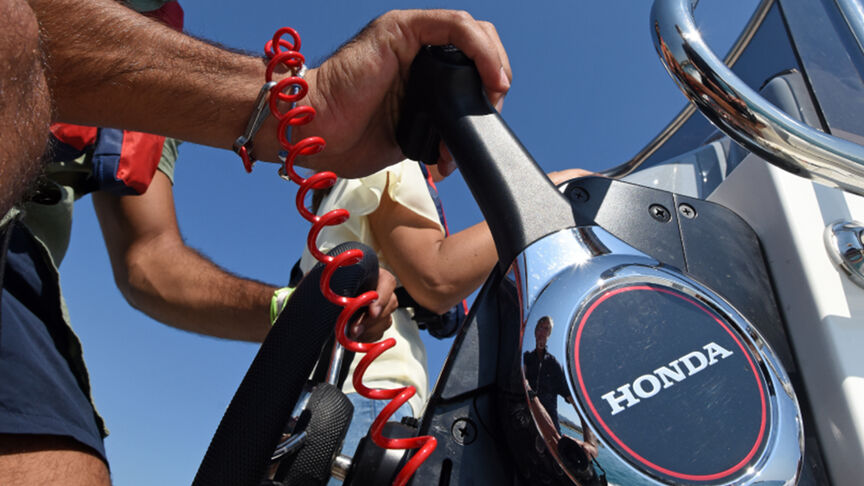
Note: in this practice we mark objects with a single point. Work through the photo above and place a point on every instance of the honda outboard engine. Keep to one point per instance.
(676, 385)
(586, 360)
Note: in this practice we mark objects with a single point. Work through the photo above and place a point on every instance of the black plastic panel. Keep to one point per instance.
(463, 411)
(712, 244)
(643, 217)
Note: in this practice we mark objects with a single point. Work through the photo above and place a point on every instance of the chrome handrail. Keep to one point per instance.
(741, 113)
(689, 109)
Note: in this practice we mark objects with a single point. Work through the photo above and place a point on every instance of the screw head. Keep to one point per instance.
(659, 213)
(577, 194)
(687, 210)
(464, 431)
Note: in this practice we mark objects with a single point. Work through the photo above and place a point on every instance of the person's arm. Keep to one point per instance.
(590, 444)
(562, 388)
(109, 66)
(159, 275)
(544, 423)
(438, 272)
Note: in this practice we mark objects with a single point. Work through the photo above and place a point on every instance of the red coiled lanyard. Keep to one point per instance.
(291, 90)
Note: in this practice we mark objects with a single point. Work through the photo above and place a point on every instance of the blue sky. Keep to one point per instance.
(588, 91)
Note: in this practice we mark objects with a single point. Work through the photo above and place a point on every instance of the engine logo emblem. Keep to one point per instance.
(671, 384)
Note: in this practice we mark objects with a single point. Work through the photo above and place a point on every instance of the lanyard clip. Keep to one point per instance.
(243, 144)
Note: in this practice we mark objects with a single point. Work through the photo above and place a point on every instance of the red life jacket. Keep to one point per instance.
(124, 162)
(170, 14)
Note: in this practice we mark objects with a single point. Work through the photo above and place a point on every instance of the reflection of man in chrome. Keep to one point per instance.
(544, 374)
(545, 381)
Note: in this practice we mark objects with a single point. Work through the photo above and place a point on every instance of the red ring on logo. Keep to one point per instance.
(692, 477)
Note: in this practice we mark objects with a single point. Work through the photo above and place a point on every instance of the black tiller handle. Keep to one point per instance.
(445, 99)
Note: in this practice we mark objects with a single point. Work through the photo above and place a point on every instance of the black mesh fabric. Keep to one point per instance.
(331, 413)
(252, 425)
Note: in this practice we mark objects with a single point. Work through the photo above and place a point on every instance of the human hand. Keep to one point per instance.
(562, 176)
(357, 92)
(544, 421)
(371, 326)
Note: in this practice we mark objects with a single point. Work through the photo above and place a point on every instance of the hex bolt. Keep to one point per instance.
(687, 210)
(464, 431)
(659, 213)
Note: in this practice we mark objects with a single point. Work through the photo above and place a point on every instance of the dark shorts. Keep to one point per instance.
(39, 392)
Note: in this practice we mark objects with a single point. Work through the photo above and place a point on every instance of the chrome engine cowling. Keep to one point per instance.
(673, 383)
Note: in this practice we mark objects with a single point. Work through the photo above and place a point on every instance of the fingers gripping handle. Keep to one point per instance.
(444, 99)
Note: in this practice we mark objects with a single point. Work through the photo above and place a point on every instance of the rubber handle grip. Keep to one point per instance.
(445, 99)
(241, 448)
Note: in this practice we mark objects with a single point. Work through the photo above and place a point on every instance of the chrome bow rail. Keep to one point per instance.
(742, 113)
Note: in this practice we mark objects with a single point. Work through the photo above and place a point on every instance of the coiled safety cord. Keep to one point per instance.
(283, 53)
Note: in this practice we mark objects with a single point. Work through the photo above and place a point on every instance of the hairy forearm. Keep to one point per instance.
(177, 286)
(110, 66)
(160, 275)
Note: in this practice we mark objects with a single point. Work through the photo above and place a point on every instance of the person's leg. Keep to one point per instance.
(25, 106)
(49, 431)
(43, 459)
(25, 114)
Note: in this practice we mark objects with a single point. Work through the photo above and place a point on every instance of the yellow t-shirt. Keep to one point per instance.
(405, 363)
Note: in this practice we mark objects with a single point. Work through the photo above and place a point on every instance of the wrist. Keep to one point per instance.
(265, 140)
(278, 302)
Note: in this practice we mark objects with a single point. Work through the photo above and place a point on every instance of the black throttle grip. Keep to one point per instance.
(418, 132)
(444, 100)
(241, 448)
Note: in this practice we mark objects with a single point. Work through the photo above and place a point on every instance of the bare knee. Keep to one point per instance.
(48, 459)
(25, 106)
